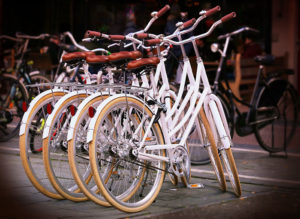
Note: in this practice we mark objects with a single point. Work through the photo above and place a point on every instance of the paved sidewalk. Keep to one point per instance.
(19, 199)
(270, 188)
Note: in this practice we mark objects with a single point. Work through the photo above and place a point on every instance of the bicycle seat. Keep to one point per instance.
(96, 59)
(75, 56)
(133, 65)
(124, 55)
(264, 59)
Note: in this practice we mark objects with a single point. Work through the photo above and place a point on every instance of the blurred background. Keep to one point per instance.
(277, 20)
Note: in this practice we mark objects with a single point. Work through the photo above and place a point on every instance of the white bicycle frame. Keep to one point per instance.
(195, 99)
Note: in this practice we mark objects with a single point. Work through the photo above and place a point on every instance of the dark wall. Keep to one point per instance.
(77, 16)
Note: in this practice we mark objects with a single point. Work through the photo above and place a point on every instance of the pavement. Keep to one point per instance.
(270, 188)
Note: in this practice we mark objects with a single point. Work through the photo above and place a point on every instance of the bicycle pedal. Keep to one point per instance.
(195, 186)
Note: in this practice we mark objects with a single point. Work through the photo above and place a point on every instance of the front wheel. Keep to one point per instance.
(13, 96)
(275, 115)
(198, 153)
(223, 140)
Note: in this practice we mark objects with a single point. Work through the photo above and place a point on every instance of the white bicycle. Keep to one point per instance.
(128, 136)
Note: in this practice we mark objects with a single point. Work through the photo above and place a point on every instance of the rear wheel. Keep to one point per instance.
(276, 115)
(78, 152)
(55, 148)
(127, 182)
(31, 144)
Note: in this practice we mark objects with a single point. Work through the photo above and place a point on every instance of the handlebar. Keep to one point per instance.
(203, 14)
(228, 17)
(237, 32)
(152, 42)
(23, 36)
(116, 37)
(158, 40)
(141, 36)
(82, 47)
(155, 15)
(10, 38)
(187, 23)
(169, 41)
(91, 33)
(162, 11)
(74, 41)
(212, 11)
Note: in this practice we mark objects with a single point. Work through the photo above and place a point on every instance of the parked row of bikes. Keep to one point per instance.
(111, 126)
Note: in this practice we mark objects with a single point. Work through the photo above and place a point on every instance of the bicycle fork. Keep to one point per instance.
(217, 120)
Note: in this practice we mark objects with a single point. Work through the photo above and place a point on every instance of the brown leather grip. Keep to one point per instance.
(116, 37)
(213, 11)
(163, 10)
(141, 35)
(152, 42)
(93, 33)
(228, 17)
(188, 23)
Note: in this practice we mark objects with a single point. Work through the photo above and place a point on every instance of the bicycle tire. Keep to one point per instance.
(32, 162)
(231, 170)
(213, 153)
(277, 99)
(13, 95)
(126, 205)
(199, 155)
(226, 153)
(80, 166)
(55, 154)
(38, 79)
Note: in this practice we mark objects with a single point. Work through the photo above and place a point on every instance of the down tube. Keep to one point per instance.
(191, 122)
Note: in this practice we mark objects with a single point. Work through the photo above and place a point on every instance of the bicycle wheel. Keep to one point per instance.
(275, 115)
(128, 183)
(13, 96)
(78, 148)
(31, 141)
(213, 152)
(231, 170)
(223, 144)
(38, 79)
(55, 147)
(199, 154)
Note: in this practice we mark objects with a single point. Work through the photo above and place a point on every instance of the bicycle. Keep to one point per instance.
(142, 145)
(32, 126)
(58, 124)
(13, 99)
(273, 106)
(14, 94)
(142, 171)
(73, 149)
